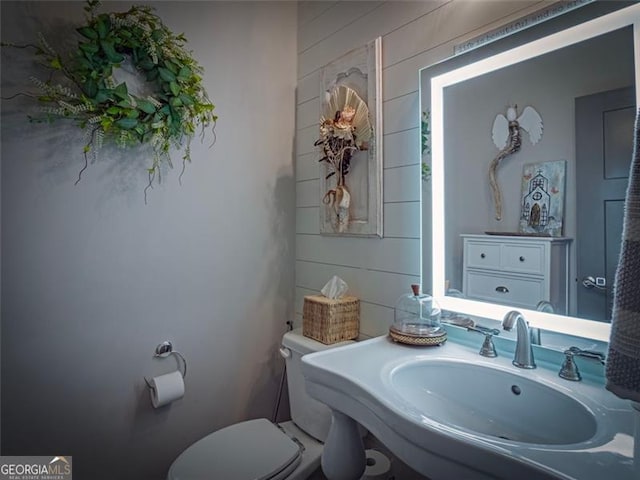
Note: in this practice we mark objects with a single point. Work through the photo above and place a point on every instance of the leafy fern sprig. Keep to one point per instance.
(425, 143)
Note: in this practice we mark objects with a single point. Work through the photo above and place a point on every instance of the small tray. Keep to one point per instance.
(420, 340)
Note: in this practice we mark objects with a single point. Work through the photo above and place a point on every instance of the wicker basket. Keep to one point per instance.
(330, 321)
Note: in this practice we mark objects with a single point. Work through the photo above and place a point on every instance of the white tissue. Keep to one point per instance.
(378, 466)
(335, 288)
(166, 389)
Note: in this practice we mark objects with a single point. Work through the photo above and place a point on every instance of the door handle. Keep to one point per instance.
(594, 282)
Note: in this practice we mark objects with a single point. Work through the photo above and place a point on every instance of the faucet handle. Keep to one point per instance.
(569, 369)
(578, 352)
(488, 349)
(485, 330)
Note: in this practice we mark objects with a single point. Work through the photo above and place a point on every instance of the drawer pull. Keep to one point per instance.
(522, 259)
(482, 255)
(502, 289)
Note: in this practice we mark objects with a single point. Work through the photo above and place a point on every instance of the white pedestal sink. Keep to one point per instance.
(450, 413)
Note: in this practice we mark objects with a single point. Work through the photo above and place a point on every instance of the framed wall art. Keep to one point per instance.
(542, 201)
(350, 143)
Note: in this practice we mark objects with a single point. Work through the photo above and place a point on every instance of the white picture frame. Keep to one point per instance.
(360, 70)
(542, 198)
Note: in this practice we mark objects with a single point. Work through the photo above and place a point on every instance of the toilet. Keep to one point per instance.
(259, 449)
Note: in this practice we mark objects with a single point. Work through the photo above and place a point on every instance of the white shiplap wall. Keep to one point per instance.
(414, 35)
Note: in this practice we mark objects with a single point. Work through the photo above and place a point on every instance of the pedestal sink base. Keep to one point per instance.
(343, 457)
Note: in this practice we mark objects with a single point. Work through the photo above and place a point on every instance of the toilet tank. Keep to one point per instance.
(307, 413)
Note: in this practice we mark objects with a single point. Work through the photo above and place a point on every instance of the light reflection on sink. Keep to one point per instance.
(492, 402)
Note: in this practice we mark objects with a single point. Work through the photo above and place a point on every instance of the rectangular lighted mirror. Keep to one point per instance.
(579, 72)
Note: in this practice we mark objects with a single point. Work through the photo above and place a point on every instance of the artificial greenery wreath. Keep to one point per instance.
(89, 95)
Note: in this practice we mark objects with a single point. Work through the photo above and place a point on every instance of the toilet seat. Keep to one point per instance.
(251, 450)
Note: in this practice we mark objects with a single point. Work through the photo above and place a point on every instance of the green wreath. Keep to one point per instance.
(90, 96)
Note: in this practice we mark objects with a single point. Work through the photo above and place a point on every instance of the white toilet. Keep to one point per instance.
(259, 449)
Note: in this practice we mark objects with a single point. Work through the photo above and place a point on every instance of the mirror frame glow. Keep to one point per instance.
(628, 16)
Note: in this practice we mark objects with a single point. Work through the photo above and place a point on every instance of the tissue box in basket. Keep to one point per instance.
(330, 321)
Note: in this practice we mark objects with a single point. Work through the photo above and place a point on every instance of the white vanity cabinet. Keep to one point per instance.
(517, 271)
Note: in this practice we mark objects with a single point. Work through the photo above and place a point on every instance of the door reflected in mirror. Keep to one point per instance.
(584, 91)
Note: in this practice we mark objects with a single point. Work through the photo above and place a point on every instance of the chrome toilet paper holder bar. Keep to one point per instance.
(163, 350)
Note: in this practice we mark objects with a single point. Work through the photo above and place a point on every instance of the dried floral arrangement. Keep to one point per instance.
(81, 87)
(345, 129)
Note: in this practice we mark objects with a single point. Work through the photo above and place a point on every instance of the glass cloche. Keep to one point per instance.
(417, 320)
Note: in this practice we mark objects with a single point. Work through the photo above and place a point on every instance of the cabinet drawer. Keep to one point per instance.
(523, 258)
(482, 255)
(516, 291)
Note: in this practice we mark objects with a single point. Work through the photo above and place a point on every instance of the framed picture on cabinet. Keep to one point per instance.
(542, 201)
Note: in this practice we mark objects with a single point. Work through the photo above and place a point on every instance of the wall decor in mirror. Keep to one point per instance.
(562, 174)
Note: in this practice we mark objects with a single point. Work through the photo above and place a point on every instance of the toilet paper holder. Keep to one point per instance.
(163, 350)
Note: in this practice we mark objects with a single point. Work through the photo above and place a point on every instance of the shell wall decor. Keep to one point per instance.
(507, 138)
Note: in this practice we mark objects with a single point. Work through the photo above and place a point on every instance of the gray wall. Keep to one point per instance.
(550, 84)
(414, 35)
(94, 279)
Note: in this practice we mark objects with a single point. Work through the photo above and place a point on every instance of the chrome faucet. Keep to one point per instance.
(523, 357)
(544, 306)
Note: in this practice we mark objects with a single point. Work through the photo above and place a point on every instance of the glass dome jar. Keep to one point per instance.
(417, 320)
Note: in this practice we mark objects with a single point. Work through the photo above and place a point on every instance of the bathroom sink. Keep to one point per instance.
(490, 401)
(449, 413)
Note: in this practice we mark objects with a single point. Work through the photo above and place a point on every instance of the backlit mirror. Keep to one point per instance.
(562, 190)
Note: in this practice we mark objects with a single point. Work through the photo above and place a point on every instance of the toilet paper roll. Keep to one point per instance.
(166, 389)
(378, 466)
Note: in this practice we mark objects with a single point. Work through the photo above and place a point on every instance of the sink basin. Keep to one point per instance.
(449, 413)
(492, 402)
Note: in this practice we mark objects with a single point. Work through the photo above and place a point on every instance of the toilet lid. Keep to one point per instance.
(252, 450)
